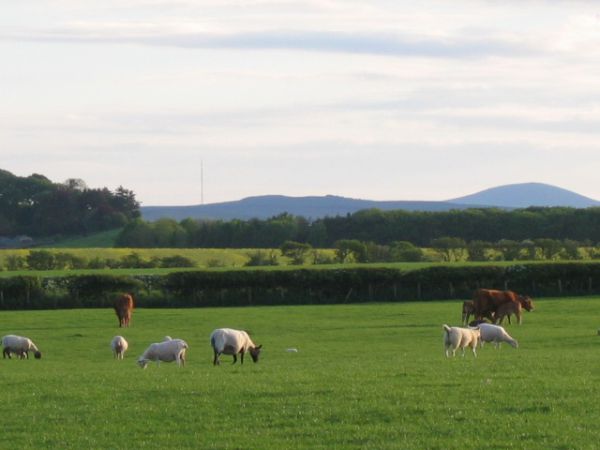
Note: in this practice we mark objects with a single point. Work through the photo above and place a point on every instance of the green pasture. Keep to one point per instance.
(370, 376)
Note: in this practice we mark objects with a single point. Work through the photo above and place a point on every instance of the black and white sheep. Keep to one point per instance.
(20, 346)
(233, 342)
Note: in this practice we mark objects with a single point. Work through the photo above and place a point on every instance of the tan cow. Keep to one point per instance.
(124, 308)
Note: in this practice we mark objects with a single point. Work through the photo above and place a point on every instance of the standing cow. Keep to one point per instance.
(124, 308)
(487, 301)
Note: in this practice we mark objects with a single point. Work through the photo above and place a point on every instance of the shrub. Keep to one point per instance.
(262, 258)
(41, 260)
(176, 261)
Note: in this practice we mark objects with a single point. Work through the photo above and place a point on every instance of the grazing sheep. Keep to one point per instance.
(20, 346)
(233, 342)
(119, 346)
(496, 334)
(167, 351)
(507, 310)
(457, 337)
(468, 309)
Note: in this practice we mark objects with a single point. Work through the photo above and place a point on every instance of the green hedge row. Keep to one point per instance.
(301, 286)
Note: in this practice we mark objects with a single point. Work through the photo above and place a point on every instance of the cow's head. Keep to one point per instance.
(255, 353)
(526, 302)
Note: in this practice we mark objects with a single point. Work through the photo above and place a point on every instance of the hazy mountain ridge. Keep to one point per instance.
(313, 207)
(527, 194)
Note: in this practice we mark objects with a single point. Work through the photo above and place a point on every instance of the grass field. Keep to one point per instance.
(365, 376)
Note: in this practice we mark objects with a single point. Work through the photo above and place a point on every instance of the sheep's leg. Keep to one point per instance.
(234, 358)
(216, 361)
(242, 357)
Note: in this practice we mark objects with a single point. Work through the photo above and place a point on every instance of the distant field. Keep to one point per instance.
(102, 239)
(203, 258)
(227, 259)
(365, 376)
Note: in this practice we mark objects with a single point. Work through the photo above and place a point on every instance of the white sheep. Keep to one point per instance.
(119, 346)
(458, 337)
(496, 334)
(167, 351)
(20, 346)
(233, 342)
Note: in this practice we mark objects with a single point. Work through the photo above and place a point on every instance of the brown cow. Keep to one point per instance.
(468, 309)
(487, 301)
(506, 310)
(123, 308)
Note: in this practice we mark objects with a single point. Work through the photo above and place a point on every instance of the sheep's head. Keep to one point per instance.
(142, 362)
(37, 354)
(255, 353)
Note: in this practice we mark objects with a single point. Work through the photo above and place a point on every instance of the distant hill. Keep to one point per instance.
(527, 194)
(262, 207)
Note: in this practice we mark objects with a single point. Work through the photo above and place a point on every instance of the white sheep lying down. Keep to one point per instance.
(496, 334)
(233, 342)
(19, 345)
(119, 346)
(167, 351)
(458, 337)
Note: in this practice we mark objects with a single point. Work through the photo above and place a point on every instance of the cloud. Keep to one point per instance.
(386, 44)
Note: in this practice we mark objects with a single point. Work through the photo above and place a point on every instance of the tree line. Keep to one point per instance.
(37, 207)
(420, 228)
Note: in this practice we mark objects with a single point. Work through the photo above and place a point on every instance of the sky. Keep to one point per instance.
(187, 102)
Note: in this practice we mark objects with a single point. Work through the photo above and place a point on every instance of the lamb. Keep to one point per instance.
(496, 334)
(119, 346)
(457, 337)
(233, 342)
(20, 346)
(167, 351)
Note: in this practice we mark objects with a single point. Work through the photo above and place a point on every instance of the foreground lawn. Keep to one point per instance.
(365, 376)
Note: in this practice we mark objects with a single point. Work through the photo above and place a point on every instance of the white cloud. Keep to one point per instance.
(382, 99)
